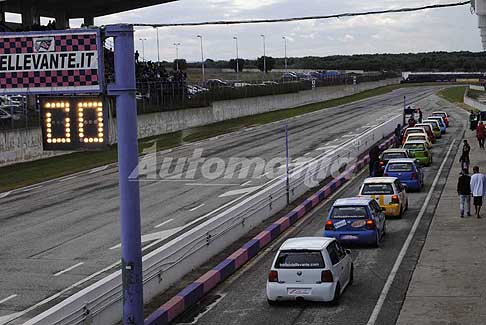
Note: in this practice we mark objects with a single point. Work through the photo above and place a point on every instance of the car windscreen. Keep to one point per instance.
(299, 259)
(414, 146)
(439, 121)
(375, 189)
(349, 212)
(400, 167)
(416, 137)
(434, 124)
(394, 155)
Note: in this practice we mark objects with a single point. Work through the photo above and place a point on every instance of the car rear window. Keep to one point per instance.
(299, 259)
(414, 131)
(416, 137)
(434, 124)
(370, 189)
(394, 155)
(414, 146)
(349, 212)
(400, 167)
(439, 120)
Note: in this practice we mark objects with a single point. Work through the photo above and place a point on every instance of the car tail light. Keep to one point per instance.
(329, 225)
(273, 276)
(395, 199)
(382, 163)
(414, 175)
(370, 224)
(326, 276)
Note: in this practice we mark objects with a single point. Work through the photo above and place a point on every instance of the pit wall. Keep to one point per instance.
(26, 145)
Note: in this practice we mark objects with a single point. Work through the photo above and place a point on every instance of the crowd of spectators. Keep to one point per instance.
(51, 25)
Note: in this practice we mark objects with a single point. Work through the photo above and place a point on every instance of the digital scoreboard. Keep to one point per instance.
(74, 123)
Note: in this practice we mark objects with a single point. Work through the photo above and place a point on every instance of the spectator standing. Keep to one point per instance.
(472, 121)
(464, 160)
(374, 155)
(420, 115)
(397, 133)
(464, 191)
(478, 189)
(137, 55)
(481, 134)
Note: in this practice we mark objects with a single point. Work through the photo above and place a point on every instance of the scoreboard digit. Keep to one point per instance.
(74, 123)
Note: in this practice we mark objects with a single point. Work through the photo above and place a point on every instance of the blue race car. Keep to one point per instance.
(356, 221)
(408, 171)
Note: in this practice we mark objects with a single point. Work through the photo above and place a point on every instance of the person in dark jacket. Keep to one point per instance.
(464, 191)
(464, 160)
(374, 155)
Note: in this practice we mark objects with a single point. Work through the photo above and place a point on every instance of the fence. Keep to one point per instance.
(159, 96)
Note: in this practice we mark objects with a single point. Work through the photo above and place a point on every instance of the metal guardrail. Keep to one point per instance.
(100, 303)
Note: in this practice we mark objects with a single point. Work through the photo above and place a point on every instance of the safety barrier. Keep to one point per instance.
(101, 303)
(196, 290)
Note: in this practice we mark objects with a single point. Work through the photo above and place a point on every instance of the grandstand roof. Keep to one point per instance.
(85, 8)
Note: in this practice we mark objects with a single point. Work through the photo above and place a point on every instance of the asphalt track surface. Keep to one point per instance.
(242, 299)
(62, 235)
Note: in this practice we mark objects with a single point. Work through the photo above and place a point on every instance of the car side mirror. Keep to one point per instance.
(348, 252)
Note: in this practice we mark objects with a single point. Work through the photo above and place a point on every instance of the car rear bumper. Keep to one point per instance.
(392, 210)
(412, 184)
(366, 237)
(319, 292)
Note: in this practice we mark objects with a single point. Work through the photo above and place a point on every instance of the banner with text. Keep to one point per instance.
(65, 62)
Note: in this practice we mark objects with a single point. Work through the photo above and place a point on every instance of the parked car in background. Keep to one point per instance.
(418, 150)
(388, 192)
(309, 268)
(435, 128)
(441, 122)
(356, 221)
(387, 155)
(444, 116)
(407, 171)
(429, 129)
(419, 137)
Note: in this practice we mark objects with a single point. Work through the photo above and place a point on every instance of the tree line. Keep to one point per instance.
(431, 61)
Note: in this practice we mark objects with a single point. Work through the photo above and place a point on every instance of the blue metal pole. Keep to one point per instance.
(124, 89)
(287, 162)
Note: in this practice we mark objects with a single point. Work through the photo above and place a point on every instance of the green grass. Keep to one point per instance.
(28, 173)
(453, 94)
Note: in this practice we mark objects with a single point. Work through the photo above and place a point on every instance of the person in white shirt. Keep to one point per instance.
(478, 189)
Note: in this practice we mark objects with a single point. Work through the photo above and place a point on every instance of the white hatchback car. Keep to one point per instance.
(309, 268)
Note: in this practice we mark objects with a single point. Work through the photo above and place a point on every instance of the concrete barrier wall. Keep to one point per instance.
(25, 145)
(474, 103)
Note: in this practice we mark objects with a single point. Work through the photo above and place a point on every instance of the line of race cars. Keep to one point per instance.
(320, 268)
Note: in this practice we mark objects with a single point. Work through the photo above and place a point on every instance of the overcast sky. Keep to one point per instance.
(449, 29)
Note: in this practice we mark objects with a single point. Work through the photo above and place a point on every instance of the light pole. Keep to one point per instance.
(177, 55)
(285, 51)
(202, 57)
(264, 56)
(158, 46)
(237, 58)
(143, 48)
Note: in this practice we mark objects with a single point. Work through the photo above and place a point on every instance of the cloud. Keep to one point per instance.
(448, 29)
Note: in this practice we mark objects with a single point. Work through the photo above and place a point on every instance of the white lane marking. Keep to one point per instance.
(326, 148)
(210, 184)
(67, 178)
(8, 318)
(246, 183)
(206, 310)
(5, 194)
(349, 135)
(241, 191)
(98, 169)
(195, 208)
(406, 244)
(7, 299)
(68, 269)
(160, 235)
(31, 188)
(164, 223)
